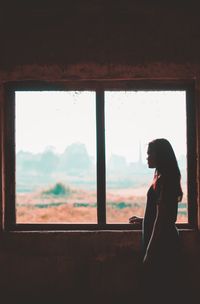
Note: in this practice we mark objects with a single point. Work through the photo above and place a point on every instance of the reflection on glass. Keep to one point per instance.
(132, 120)
(55, 157)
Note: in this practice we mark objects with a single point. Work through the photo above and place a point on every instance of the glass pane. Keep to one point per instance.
(55, 157)
(132, 120)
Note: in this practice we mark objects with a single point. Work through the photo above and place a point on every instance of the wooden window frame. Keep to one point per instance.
(8, 148)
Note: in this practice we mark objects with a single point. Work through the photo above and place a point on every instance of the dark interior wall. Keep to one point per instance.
(73, 266)
(86, 266)
(99, 39)
(77, 40)
(104, 32)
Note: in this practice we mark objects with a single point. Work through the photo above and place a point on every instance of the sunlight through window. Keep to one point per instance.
(57, 147)
(133, 119)
(56, 157)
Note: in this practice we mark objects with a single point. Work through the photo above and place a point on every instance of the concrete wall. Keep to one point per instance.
(81, 40)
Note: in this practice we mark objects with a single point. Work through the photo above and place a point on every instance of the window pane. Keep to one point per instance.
(55, 157)
(132, 120)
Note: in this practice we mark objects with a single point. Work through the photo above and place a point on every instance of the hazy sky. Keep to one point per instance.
(135, 118)
(59, 119)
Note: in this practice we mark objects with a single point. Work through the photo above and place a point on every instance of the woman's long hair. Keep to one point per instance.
(166, 164)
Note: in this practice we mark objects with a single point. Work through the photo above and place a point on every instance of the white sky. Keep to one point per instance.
(54, 119)
(139, 117)
(59, 119)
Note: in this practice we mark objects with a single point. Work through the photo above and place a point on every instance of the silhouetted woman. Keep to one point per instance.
(160, 235)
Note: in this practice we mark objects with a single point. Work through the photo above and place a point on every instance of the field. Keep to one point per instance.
(61, 204)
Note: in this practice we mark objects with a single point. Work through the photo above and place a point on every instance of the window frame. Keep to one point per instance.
(8, 148)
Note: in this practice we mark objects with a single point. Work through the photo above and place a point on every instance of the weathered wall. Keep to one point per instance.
(80, 40)
(74, 266)
(70, 267)
(125, 32)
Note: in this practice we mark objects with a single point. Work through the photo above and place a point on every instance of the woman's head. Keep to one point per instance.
(161, 156)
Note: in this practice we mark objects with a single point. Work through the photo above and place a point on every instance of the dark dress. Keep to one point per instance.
(160, 279)
(170, 237)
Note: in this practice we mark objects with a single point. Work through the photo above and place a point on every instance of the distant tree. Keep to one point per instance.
(75, 159)
(26, 162)
(117, 163)
(59, 189)
(48, 161)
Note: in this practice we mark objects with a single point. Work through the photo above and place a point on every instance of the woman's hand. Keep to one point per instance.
(135, 220)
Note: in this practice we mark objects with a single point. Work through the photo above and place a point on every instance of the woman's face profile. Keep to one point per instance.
(151, 158)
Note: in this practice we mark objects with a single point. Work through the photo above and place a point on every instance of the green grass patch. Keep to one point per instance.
(48, 205)
(84, 205)
(58, 189)
(120, 205)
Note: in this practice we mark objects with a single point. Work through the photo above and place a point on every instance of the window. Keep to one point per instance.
(132, 120)
(75, 154)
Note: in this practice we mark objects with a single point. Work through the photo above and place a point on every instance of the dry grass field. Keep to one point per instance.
(79, 206)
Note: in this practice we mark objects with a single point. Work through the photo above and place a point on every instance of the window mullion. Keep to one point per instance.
(101, 170)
